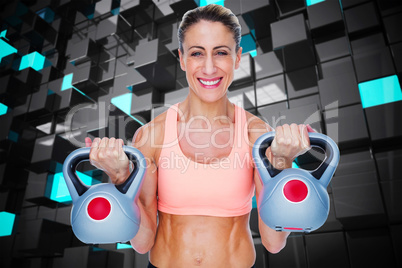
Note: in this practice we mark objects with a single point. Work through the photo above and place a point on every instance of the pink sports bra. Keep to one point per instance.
(222, 189)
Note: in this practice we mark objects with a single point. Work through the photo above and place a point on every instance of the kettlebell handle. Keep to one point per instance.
(77, 187)
(322, 141)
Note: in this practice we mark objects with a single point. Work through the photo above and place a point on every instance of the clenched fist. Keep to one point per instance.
(108, 155)
(290, 141)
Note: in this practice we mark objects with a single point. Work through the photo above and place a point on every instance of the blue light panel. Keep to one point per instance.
(248, 45)
(253, 53)
(13, 136)
(7, 223)
(313, 2)
(380, 91)
(207, 2)
(34, 60)
(3, 109)
(3, 34)
(56, 187)
(47, 14)
(67, 84)
(115, 11)
(6, 49)
(67, 80)
(123, 102)
(254, 201)
(122, 246)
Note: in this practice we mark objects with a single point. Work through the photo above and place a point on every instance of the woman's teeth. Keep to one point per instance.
(209, 83)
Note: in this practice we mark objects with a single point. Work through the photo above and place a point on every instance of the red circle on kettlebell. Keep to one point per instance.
(99, 208)
(295, 191)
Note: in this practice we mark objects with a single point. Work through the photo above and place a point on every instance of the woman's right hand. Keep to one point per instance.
(108, 155)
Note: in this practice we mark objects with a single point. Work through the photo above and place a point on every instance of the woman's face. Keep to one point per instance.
(209, 59)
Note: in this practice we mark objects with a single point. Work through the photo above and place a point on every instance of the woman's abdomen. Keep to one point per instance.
(186, 241)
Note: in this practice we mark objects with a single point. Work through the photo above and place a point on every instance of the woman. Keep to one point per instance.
(200, 177)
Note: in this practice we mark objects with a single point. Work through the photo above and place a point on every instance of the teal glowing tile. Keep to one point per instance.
(89, 11)
(253, 53)
(94, 249)
(115, 11)
(207, 2)
(67, 84)
(254, 202)
(46, 14)
(6, 49)
(47, 63)
(34, 60)
(13, 136)
(3, 34)
(313, 2)
(122, 246)
(123, 102)
(7, 223)
(56, 187)
(380, 91)
(252, 31)
(67, 80)
(56, 167)
(294, 165)
(247, 43)
(3, 109)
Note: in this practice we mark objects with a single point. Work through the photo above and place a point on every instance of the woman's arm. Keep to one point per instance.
(289, 142)
(107, 154)
(272, 240)
(145, 238)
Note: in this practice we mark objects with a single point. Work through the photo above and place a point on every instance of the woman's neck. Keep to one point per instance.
(193, 106)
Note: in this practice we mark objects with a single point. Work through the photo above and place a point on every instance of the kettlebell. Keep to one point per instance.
(295, 199)
(105, 212)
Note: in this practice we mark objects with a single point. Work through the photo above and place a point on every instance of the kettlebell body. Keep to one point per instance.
(104, 213)
(295, 199)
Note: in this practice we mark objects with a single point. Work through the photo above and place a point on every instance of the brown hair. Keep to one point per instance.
(213, 13)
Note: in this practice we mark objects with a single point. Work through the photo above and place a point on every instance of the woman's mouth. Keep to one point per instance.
(210, 83)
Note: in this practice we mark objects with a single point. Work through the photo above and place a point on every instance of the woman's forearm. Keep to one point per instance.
(272, 240)
(145, 238)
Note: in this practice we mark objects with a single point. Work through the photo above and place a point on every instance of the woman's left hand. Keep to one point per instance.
(289, 142)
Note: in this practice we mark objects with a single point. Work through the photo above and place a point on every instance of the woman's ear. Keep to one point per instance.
(182, 65)
(238, 58)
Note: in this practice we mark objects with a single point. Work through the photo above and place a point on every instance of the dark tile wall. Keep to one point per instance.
(110, 66)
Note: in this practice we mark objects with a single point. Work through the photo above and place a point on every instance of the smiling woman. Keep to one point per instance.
(210, 64)
(194, 181)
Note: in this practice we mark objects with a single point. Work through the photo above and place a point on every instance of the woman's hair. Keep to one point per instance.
(213, 13)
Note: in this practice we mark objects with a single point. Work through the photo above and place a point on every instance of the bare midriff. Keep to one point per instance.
(203, 241)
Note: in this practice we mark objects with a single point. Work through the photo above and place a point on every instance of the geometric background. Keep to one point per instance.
(71, 69)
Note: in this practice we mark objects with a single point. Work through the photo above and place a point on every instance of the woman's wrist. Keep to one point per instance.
(282, 163)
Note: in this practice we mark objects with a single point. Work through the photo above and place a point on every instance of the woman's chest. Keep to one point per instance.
(206, 145)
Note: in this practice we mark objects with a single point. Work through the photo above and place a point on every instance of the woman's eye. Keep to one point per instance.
(196, 54)
(222, 53)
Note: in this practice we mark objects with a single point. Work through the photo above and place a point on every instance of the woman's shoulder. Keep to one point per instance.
(151, 133)
(254, 121)
(256, 127)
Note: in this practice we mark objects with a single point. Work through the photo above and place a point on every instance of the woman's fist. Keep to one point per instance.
(290, 141)
(108, 155)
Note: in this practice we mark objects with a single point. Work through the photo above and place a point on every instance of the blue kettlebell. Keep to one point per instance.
(294, 199)
(104, 213)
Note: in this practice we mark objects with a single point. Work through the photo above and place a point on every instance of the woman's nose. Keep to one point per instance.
(209, 66)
